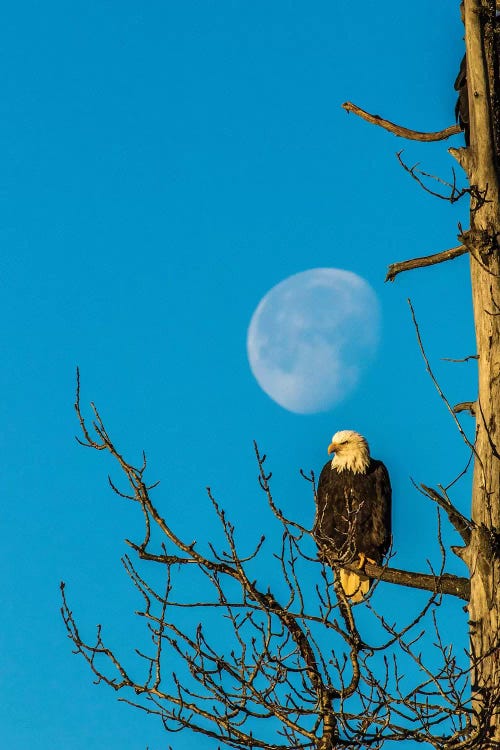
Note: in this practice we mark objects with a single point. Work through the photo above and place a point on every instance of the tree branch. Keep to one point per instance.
(463, 359)
(469, 406)
(458, 521)
(434, 380)
(412, 135)
(455, 193)
(426, 260)
(440, 584)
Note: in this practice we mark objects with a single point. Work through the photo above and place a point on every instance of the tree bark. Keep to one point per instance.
(481, 555)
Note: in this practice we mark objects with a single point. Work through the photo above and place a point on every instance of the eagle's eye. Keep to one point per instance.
(344, 442)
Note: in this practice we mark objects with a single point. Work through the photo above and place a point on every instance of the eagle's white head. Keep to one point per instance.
(351, 452)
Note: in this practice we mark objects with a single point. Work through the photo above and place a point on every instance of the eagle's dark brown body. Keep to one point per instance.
(353, 514)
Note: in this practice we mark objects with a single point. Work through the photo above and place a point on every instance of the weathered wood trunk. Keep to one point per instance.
(482, 555)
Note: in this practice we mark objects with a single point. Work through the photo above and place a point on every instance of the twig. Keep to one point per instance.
(264, 485)
(434, 380)
(412, 135)
(463, 359)
(459, 521)
(459, 475)
(455, 193)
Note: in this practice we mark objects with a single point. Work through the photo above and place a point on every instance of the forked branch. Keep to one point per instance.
(462, 524)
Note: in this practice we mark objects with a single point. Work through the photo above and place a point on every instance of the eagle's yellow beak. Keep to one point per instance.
(332, 448)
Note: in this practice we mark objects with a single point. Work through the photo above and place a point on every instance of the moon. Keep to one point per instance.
(312, 336)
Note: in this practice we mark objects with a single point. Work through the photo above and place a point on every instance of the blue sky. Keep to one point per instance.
(164, 165)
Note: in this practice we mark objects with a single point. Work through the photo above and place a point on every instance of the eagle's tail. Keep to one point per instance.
(355, 585)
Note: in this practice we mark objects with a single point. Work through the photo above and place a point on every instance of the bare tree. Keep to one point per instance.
(288, 665)
(289, 669)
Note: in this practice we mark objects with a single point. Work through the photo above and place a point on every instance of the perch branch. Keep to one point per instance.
(412, 135)
(440, 584)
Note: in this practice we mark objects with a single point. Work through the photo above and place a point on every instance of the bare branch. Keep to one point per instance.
(462, 524)
(426, 260)
(443, 584)
(454, 194)
(469, 406)
(264, 484)
(412, 135)
(434, 380)
(463, 359)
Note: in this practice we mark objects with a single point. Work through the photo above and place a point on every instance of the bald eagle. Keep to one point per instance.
(353, 511)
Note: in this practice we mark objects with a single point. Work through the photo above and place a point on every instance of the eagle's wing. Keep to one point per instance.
(324, 529)
(381, 511)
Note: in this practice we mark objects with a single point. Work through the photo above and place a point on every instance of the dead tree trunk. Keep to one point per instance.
(277, 670)
(482, 555)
